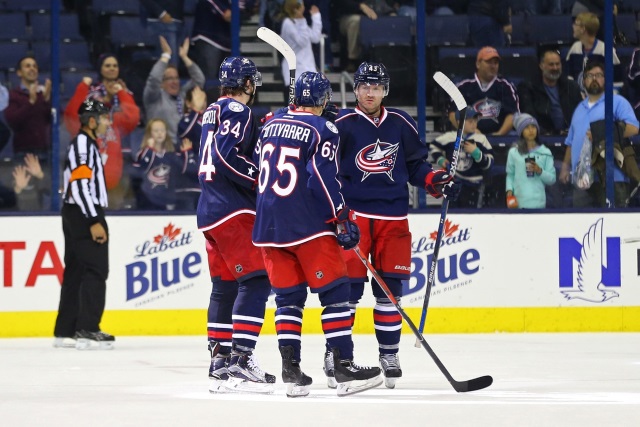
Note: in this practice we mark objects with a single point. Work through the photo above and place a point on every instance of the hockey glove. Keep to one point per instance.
(330, 112)
(347, 231)
(440, 183)
(271, 115)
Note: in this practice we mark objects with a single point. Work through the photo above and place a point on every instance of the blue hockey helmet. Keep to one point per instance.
(312, 90)
(372, 73)
(235, 70)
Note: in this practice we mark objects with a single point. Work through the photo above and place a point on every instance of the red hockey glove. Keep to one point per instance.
(440, 183)
(347, 231)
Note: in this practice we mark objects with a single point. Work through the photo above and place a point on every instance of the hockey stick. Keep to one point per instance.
(451, 89)
(281, 46)
(633, 193)
(459, 386)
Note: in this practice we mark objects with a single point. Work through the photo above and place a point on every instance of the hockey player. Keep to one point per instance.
(226, 214)
(299, 211)
(380, 152)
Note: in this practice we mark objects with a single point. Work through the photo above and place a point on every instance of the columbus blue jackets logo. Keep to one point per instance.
(489, 109)
(159, 176)
(236, 107)
(379, 157)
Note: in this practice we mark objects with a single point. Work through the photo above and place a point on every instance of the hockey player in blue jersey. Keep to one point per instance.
(299, 211)
(226, 214)
(380, 152)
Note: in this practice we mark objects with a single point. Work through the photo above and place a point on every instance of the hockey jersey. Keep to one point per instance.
(298, 189)
(378, 158)
(468, 170)
(190, 127)
(493, 103)
(227, 173)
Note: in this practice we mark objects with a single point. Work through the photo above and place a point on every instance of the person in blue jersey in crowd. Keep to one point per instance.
(380, 152)
(226, 214)
(300, 211)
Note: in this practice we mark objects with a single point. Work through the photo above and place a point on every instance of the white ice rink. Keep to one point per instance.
(540, 380)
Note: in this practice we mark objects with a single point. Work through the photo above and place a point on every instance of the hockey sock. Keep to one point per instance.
(219, 324)
(357, 289)
(336, 319)
(248, 312)
(387, 322)
(289, 320)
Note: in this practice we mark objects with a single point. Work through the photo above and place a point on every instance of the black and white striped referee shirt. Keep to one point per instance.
(85, 185)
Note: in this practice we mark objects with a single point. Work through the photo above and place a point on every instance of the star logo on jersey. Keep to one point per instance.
(488, 109)
(250, 171)
(379, 157)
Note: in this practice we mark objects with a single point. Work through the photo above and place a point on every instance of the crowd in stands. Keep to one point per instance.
(157, 91)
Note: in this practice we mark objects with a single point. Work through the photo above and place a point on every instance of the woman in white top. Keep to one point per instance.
(299, 36)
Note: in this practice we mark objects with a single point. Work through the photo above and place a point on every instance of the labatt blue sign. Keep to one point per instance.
(160, 266)
(452, 271)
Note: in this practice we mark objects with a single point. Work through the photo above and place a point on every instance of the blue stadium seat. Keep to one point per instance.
(13, 26)
(386, 31)
(520, 30)
(547, 29)
(73, 56)
(69, 27)
(517, 63)
(190, 7)
(627, 24)
(117, 7)
(69, 81)
(450, 30)
(27, 5)
(128, 31)
(11, 54)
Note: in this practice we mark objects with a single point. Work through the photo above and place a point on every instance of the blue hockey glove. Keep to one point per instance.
(330, 112)
(440, 183)
(347, 231)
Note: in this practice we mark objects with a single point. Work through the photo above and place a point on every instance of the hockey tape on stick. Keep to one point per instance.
(459, 386)
(451, 89)
(273, 39)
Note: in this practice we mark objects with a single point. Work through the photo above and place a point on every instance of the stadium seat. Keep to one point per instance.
(451, 30)
(547, 29)
(128, 31)
(69, 28)
(520, 30)
(386, 31)
(117, 7)
(516, 63)
(190, 7)
(27, 5)
(11, 54)
(73, 56)
(13, 26)
(627, 24)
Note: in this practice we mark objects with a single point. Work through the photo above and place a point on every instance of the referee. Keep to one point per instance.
(86, 257)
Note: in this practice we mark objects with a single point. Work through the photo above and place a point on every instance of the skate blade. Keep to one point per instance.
(332, 383)
(390, 382)
(85, 344)
(217, 386)
(239, 385)
(352, 387)
(295, 390)
(64, 343)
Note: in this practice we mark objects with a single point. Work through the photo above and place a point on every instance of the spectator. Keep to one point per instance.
(587, 47)
(324, 6)
(211, 35)
(299, 36)
(125, 115)
(4, 97)
(161, 167)
(29, 184)
(165, 18)
(529, 167)
(476, 158)
(578, 160)
(349, 13)
(5, 133)
(163, 96)
(492, 96)
(29, 112)
(489, 21)
(632, 82)
(190, 127)
(551, 98)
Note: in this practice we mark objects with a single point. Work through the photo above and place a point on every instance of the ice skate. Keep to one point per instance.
(297, 382)
(390, 365)
(64, 342)
(328, 370)
(99, 340)
(218, 370)
(246, 376)
(352, 378)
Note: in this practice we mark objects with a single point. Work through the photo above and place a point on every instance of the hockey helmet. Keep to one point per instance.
(91, 108)
(235, 70)
(312, 90)
(372, 73)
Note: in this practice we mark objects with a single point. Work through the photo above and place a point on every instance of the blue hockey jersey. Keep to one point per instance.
(298, 188)
(227, 173)
(378, 158)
